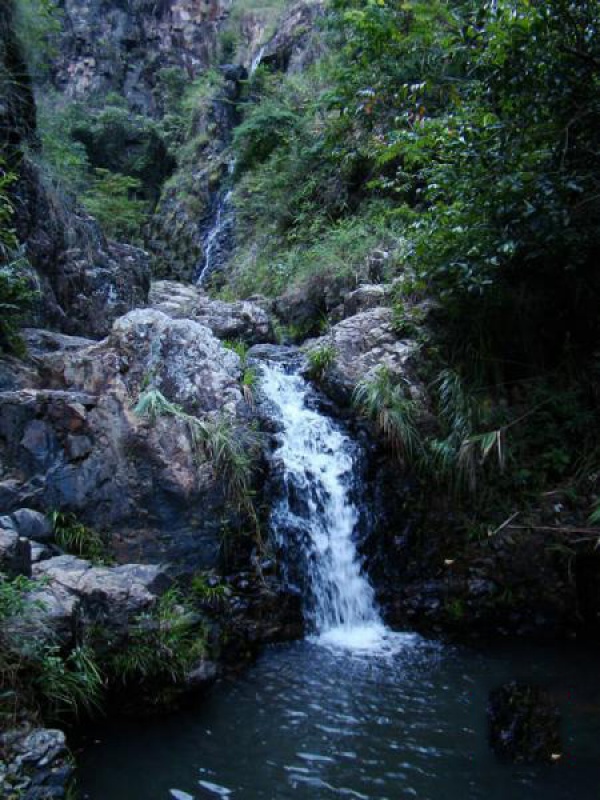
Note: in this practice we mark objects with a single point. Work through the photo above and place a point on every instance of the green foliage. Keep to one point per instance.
(384, 401)
(320, 360)
(16, 292)
(153, 404)
(269, 126)
(38, 24)
(114, 200)
(34, 671)
(68, 686)
(163, 644)
(207, 590)
(76, 538)
(249, 377)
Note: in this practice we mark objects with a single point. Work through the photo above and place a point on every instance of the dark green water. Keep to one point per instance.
(307, 722)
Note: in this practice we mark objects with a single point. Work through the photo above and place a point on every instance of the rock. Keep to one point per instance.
(362, 344)
(15, 553)
(33, 525)
(111, 596)
(366, 297)
(40, 341)
(523, 724)
(234, 72)
(242, 320)
(79, 446)
(202, 676)
(123, 47)
(294, 47)
(40, 552)
(85, 281)
(37, 764)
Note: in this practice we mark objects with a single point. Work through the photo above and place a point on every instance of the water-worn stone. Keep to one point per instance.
(523, 724)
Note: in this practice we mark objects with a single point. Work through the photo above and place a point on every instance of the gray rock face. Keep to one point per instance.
(242, 319)
(37, 764)
(85, 281)
(294, 47)
(78, 445)
(363, 343)
(111, 46)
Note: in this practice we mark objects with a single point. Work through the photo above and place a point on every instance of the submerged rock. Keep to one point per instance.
(523, 724)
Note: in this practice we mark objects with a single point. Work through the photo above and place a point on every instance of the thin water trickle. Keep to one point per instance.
(316, 509)
(213, 239)
(256, 60)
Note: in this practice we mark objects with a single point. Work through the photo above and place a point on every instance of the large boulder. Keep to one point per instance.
(363, 344)
(111, 596)
(78, 445)
(242, 319)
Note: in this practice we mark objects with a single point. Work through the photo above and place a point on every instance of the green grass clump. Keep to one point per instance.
(320, 360)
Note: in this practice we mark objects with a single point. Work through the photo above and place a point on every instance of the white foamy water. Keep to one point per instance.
(316, 509)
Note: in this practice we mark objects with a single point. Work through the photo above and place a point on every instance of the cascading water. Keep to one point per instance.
(217, 239)
(316, 508)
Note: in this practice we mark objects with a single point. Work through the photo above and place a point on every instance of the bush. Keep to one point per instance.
(76, 538)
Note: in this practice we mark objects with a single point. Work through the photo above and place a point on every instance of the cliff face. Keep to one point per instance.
(84, 281)
(120, 45)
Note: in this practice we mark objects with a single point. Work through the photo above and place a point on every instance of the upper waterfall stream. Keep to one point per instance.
(316, 508)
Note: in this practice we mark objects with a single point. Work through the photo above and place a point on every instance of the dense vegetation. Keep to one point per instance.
(461, 139)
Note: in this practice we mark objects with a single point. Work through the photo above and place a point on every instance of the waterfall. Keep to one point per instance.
(256, 61)
(316, 511)
(217, 237)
